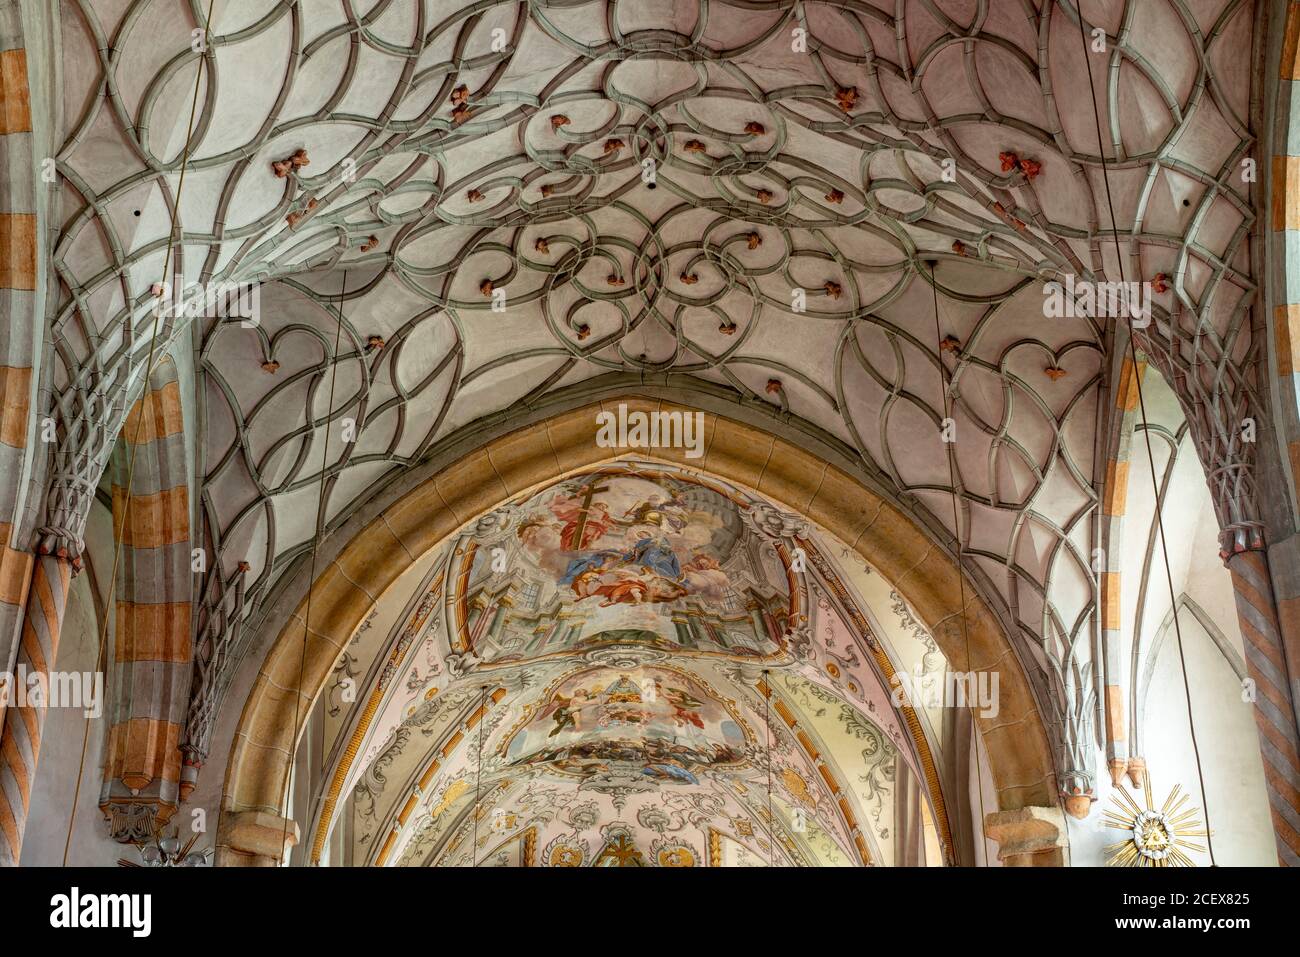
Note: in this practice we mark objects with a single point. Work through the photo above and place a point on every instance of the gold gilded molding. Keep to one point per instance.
(838, 791)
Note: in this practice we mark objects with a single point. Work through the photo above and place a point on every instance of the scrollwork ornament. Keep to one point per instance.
(774, 523)
(566, 851)
(495, 525)
(461, 664)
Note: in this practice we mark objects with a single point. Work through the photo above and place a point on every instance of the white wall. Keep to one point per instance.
(1225, 729)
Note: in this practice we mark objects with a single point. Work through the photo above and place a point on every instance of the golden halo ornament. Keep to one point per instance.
(1156, 837)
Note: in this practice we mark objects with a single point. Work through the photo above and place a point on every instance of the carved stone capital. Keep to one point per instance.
(1117, 767)
(1242, 536)
(192, 762)
(67, 507)
(1077, 793)
(1028, 836)
(1137, 768)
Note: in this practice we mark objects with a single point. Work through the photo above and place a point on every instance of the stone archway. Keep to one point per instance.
(296, 668)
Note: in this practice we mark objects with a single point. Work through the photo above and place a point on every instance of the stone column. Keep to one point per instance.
(1275, 714)
(20, 741)
(1028, 836)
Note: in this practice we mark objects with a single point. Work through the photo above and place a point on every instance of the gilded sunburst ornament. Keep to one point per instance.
(1155, 837)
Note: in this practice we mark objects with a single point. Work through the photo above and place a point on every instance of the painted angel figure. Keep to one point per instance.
(585, 523)
(567, 712)
(685, 708)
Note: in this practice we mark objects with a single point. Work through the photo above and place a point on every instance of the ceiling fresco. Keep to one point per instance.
(646, 558)
(651, 726)
(524, 716)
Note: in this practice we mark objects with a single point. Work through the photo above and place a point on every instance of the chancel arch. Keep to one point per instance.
(493, 480)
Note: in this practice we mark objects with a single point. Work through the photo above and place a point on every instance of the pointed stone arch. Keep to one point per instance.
(299, 662)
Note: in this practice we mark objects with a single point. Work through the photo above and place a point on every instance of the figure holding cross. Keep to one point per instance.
(584, 522)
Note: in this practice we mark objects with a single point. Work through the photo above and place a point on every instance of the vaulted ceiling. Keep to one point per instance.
(842, 213)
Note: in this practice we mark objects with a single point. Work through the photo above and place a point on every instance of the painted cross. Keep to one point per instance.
(589, 492)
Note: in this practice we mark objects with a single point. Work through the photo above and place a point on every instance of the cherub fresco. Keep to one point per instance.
(704, 577)
(567, 711)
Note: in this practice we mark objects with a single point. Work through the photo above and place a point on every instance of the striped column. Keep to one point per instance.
(153, 651)
(20, 742)
(1284, 218)
(27, 587)
(15, 563)
(18, 320)
(1114, 505)
(1275, 715)
(1271, 627)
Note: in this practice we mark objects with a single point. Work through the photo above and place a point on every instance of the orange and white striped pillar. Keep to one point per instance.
(1119, 756)
(20, 741)
(31, 591)
(1275, 714)
(1267, 585)
(153, 655)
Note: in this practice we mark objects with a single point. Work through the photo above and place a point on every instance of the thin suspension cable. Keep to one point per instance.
(478, 773)
(951, 455)
(1146, 435)
(101, 653)
(315, 548)
(767, 723)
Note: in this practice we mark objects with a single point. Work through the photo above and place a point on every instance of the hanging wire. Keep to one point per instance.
(101, 654)
(478, 773)
(767, 722)
(956, 530)
(315, 547)
(1146, 434)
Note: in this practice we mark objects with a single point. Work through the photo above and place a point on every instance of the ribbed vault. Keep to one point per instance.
(840, 211)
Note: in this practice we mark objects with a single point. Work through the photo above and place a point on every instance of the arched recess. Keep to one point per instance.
(1199, 729)
(297, 667)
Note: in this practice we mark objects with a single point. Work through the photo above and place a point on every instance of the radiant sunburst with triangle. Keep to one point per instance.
(1155, 837)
